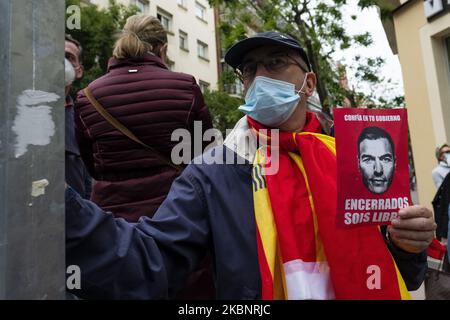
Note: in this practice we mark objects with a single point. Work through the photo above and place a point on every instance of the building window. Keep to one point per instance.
(235, 89)
(182, 3)
(200, 11)
(143, 5)
(238, 87)
(165, 18)
(202, 50)
(204, 86)
(184, 41)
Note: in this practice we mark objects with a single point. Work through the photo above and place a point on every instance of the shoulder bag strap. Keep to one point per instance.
(119, 126)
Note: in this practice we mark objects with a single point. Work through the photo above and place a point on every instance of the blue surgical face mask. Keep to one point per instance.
(447, 158)
(271, 102)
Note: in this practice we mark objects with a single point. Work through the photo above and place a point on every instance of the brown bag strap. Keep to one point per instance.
(119, 126)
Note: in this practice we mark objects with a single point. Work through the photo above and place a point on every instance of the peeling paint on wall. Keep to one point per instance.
(38, 187)
(33, 124)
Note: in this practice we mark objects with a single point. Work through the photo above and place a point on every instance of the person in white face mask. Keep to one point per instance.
(69, 74)
(443, 167)
(76, 173)
(441, 200)
(72, 52)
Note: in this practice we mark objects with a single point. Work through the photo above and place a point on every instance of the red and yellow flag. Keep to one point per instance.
(302, 255)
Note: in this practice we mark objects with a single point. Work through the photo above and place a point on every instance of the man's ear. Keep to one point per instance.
(79, 71)
(310, 85)
(163, 52)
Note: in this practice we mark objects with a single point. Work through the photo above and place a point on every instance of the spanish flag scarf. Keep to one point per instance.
(301, 253)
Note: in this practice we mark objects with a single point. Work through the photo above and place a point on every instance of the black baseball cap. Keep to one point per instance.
(237, 52)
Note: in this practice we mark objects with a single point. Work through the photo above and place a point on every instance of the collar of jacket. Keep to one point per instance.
(444, 164)
(146, 59)
(69, 102)
(242, 141)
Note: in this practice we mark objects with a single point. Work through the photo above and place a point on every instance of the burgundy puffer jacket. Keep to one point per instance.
(152, 102)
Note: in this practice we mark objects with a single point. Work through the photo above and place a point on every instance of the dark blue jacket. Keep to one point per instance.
(209, 208)
(77, 175)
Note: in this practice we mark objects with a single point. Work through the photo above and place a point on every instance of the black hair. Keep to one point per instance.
(374, 133)
(76, 43)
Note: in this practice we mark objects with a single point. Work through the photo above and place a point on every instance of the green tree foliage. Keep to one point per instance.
(98, 33)
(317, 25)
(224, 109)
(99, 29)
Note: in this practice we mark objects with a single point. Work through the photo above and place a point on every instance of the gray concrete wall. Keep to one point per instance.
(32, 261)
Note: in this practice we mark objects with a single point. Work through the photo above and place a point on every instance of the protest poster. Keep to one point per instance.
(372, 165)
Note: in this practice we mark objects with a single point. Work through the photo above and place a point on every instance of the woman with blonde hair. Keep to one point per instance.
(125, 120)
(133, 173)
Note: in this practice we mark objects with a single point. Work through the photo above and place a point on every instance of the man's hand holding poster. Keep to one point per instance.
(372, 162)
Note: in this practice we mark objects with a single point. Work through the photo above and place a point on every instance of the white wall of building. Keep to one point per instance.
(183, 18)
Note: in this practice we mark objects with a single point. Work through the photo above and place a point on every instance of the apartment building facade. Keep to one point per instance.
(191, 27)
(420, 34)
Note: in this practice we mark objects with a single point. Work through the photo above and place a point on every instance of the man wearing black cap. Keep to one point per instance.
(263, 230)
(272, 55)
